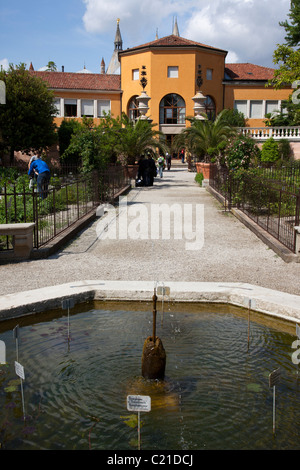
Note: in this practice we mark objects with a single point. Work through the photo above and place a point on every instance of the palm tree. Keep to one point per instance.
(136, 138)
(204, 138)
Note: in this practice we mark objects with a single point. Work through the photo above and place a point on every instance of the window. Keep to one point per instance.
(241, 106)
(172, 72)
(70, 108)
(256, 109)
(209, 74)
(135, 74)
(172, 110)
(272, 107)
(210, 108)
(87, 108)
(57, 106)
(133, 111)
(103, 106)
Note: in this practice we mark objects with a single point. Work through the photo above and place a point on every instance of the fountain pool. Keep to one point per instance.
(215, 394)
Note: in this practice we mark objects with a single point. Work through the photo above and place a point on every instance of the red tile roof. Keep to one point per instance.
(80, 81)
(248, 72)
(172, 41)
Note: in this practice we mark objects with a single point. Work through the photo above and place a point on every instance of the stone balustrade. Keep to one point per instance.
(263, 133)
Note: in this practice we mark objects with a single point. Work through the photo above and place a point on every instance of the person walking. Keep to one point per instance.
(40, 168)
(169, 160)
(161, 165)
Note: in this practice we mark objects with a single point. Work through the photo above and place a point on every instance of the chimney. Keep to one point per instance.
(63, 68)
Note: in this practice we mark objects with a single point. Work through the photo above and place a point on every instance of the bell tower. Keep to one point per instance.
(114, 64)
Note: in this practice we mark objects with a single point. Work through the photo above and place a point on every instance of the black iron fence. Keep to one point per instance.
(68, 200)
(271, 198)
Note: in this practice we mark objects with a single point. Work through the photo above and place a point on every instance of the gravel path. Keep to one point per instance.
(230, 251)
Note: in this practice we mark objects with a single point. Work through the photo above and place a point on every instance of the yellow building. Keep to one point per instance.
(175, 69)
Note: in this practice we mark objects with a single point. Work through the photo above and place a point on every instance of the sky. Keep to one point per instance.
(79, 33)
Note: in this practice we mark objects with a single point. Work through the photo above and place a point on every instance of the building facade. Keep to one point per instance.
(175, 69)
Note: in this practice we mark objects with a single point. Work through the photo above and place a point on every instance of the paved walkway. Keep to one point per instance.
(230, 253)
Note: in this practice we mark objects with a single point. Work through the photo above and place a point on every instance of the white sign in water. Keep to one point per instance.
(138, 403)
(19, 370)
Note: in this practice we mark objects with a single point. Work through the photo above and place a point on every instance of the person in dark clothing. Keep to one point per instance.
(150, 171)
(147, 170)
(169, 160)
(141, 171)
(41, 170)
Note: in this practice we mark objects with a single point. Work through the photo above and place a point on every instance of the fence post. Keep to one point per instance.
(297, 226)
(229, 191)
(35, 217)
(54, 211)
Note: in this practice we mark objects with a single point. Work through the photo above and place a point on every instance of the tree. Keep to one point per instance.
(51, 66)
(234, 117)
(136, 138)
(293, 32)
(205, 138)
(26, 121)
(288, 55)
(67, 128)
(96, 147)
(289, 66)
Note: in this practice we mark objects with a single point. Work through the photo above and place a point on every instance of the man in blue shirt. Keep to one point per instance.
(41, 170)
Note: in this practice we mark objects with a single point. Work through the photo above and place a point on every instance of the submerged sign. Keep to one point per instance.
(274, 378)
(19, 370)
(138, 403)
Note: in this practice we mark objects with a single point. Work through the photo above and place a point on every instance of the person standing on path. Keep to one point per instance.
(161, 165)
(169, 160)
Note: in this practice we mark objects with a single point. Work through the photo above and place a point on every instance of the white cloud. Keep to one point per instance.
(248, 29)
(232, 58)
(4, 64)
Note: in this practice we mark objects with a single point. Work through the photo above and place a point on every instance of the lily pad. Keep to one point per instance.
(130, 420)
(13, 386)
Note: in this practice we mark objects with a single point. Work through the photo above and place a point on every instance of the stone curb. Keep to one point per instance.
(270, 302)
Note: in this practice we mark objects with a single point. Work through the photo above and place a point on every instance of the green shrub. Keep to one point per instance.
(270, 151)
(199, 178)
(240, 151)
(284, 149)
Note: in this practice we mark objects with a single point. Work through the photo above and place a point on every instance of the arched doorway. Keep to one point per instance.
(172, 113)
(210, 107)
(133, 111)
(172, 109)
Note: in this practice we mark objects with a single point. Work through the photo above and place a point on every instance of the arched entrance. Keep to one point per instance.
(133, 111)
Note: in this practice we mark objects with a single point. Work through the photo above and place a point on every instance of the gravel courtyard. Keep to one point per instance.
(230, 252)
